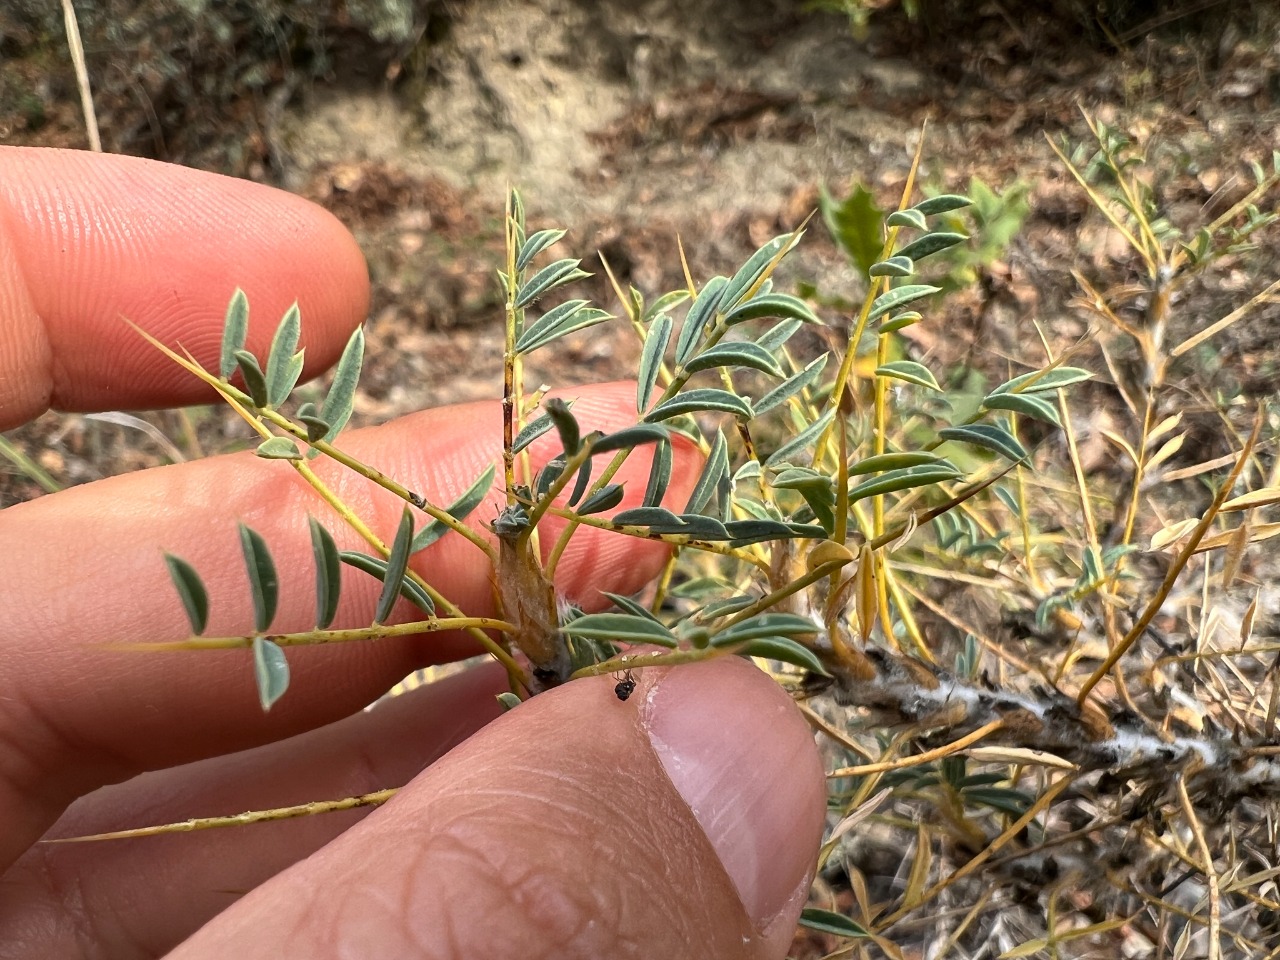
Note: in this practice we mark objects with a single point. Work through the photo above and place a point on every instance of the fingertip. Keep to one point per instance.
(95, 238)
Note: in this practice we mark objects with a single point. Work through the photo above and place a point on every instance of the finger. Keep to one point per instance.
(143, 897)
(682, 823)
(89, 239)
(86, 569)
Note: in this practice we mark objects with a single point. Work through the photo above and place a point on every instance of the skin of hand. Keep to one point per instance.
(681, 823)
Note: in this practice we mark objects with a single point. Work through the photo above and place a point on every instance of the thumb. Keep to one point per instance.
(681, 823)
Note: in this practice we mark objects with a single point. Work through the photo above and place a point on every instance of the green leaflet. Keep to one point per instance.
(898, 266)
(328, 573)
(699, 316)
(703, 399)
(752, 270)
(630, 437)
(659, 474)
(781, 305)
(1029, 405)
(270, 671)
(278, 448)
(801, 440)
(791, 386)
(909, 371)
(944, 203)
(397, 563)
(235, 330)
(559, 321)
(825, 921)
(1043, 381)
(254, 381)
(907, 218)
(264, 585)
(655, 348)
(548, 278)
(191, 591)
(471, 498)
(622, 628)
(340, 399)
(284, 365)
(376, 566)
(929, 244)
(736, 354)
(898, 296)
(892, 461)
(535, 245)
(717, 466)
(606, 498)
(991, 436)
(904, 478)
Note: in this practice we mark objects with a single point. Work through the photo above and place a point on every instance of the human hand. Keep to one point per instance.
(682, 822)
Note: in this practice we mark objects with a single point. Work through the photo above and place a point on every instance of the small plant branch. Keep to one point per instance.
(313, 637)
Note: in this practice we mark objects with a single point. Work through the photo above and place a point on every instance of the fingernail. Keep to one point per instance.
(743, 759)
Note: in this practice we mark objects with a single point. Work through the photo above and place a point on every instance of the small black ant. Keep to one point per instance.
(625, 687)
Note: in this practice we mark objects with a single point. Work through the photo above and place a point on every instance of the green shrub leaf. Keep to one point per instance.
(942, 204)
(376, 566)
(397, 563)
(904, 479)
(340, 400)
(930, 244)
(532, 431)
(535, 245)
(791, 386)
(659, 474)
(630, 437)
(254, 381)
(771, 305)
(736, 354)
(558, 322)
(328, 573)
(279, 448)
(900, 320)
(717, 465)
(621, 628)
(264, 585)
(801, 440)
(854, 224)
(284, 364)
(825, 921)
(898, 296)
(991, 436)
(548, 278)
(471, 498)
(1043, 381)
(693, 401)
(235, 330)
(907, 218)
(899, 266)
(1029, 405)
(566, 424)
(765, 625)
(751, 271)
(909, 371)
(699, 316)
(893, 461)
(606, 498)
(655, 348)
(270, 670)
(191, 591)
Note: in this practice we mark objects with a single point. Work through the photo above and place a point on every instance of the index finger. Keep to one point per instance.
(89, 239)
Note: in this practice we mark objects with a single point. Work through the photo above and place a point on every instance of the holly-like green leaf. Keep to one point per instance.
(377, 567)
(548, 278)
(535, 245)
(898, 296)
(278, 448)
(328, 573)
(270, 670)
(191, 591)
(854, 224)
(989, 435)
(235, 330)
(791, 386)
(655, 348)
(703, 399)
(397, 563)
(471, 498)
(735, 354)
(929, 244)
(621, 628)
(1029, 405)
(942, 204)
(781, 305)
(284, 364)
(909, 371)
(264, 584)
(699, 316)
